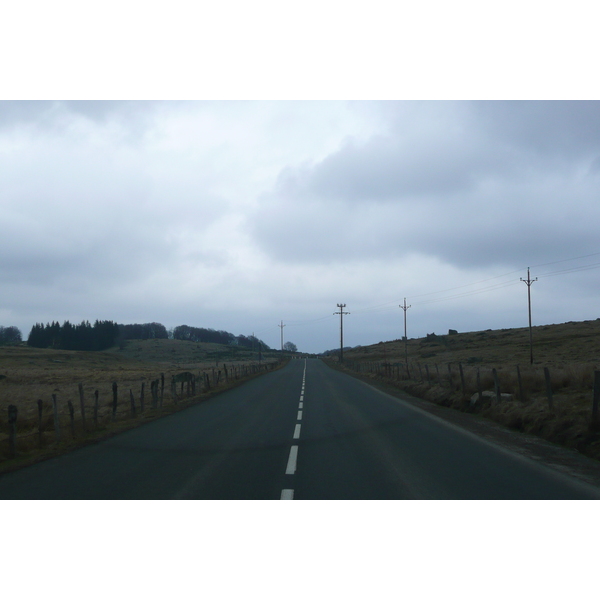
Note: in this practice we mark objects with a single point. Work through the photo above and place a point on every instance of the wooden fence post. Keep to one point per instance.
(479, 390)
(142, 398)
(596, 399)
(162, 388)
(173, 390)
(12, 430)
(82, 405)
(496, 386)
(40, 411)
(114, 403)
(72, 417)
(521, 395)
(462, 379)
(132, 401)
(153, 394)
(96, 409)
(56, 420)
(437, 370)
(548, 386)
(427, 372)
(450, 375)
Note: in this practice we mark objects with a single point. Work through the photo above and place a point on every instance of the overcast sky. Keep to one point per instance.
(238, 215)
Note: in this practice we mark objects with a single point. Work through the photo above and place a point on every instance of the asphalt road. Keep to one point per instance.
(303, 432)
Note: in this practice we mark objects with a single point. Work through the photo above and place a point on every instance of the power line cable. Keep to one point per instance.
(387, 306)
(374, 308)
(472, 293)
(565, 260)
(468, 284)
(298, 323)
(573, 270)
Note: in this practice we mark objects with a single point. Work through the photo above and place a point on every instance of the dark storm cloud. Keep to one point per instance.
(481, 183)
(385, 168)
(567, 129)
(428, 149)
(449, 148)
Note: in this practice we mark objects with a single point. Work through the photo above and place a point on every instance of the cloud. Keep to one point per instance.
(566, 130)
(465, 187)
(81, 205)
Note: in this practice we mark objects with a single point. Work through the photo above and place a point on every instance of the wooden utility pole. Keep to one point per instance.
(341, 313)
(281, 327)
(529, 281)
(405, 308)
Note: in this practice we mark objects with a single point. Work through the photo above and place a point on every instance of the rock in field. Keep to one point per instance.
(489, 396)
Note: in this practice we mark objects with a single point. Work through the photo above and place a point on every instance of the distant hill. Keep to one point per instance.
(572, 342)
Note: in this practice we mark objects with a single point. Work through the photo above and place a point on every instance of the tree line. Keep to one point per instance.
(201, 334)
(105, 334)
(144, 331)
(100, 336)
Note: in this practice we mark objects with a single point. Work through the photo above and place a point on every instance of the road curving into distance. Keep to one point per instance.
(299, 433)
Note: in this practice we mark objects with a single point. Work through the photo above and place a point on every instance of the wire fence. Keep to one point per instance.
(478, 386)
(62, 423)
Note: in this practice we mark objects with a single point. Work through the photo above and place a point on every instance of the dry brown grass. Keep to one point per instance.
(28, 374)
(571, 351)
(553, 345)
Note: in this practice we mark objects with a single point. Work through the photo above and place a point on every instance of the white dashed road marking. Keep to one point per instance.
(291, 466)
(288, 493)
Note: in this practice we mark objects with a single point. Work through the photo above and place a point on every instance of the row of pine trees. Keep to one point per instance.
(105, 334)
(100, 336)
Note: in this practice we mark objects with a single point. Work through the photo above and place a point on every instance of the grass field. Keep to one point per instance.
(28, 374)
(570, 351)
